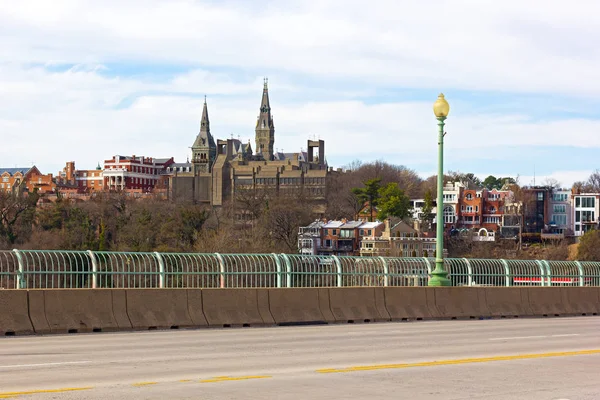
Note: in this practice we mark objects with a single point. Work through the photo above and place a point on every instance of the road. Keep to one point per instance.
(490, 359)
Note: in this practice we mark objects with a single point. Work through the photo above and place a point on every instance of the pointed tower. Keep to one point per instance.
(204, 149)
(265, 129)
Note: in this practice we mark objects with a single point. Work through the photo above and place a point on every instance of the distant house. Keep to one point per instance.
(25, 179)
(398, 239)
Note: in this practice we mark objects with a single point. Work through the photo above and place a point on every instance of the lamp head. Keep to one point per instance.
(441, 108)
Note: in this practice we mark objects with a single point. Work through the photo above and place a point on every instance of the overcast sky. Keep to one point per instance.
(85, 80)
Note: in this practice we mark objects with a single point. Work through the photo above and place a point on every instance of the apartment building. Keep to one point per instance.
(397, 239)
(561, 222)
(341, 238)
(73, 180)
(585, 212)
(134, 173)
(26, 179)
(309, 238)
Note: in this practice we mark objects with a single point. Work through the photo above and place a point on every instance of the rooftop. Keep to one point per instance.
(12, 171)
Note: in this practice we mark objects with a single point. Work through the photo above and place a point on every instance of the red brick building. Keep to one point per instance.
(134, 173)
(26, 179)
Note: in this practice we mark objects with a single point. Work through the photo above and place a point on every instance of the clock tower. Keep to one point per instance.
(265, 129)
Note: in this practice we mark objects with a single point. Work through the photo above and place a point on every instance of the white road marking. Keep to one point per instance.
(518, 337)
(45, 364)
(535, 337)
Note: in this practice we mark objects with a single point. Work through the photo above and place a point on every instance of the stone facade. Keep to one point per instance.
(219, 170)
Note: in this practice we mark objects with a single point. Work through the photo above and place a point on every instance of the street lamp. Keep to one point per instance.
(439, 276)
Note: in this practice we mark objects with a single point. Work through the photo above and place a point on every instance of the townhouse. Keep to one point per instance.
(26, 179)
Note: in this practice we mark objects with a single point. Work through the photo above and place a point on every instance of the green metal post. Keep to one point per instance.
(20, 283)
(439, 276)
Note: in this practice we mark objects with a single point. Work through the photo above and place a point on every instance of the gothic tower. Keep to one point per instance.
(265, 130)
(204, 149)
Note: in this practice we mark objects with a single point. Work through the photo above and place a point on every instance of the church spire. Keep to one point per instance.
(264, 104)
(204, 122)
(204, 149)
(265, 129)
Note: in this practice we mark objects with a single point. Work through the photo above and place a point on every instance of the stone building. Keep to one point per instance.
(220, 169)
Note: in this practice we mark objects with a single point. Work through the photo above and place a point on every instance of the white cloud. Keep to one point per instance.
(86, 116)
(465, 43)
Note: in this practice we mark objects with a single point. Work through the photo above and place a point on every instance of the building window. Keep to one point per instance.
(469, 196)
(559, 197)
(559, 219)
(449, 215)
(334, 232)
(540, 196)
(560, 208)
(588, 202)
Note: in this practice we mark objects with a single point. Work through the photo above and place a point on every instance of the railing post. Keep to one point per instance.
(506, 271)
(94, 269)
(288, 270)
(20, 271)
(161, 270)
(548, 272)
(278, 265)
(221, 270)
(428, 265)
(339, 271)
(580, 268)
(469, 272)
(386, 272)
(542, 274)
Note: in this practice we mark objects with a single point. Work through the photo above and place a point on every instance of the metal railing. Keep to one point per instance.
(40, 269)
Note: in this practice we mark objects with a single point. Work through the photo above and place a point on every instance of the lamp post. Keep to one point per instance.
(439, 276)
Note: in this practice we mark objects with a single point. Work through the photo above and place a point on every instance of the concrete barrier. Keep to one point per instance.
(297, 305)
(358, 304)
(409, 303)
(79, 310)
(460, 302)
(37, 311)
(14, 313)
(547, 302)
(158, 308)
(119, 306)
(194, 304)
(232, 307)
(581, 300)
(264, 309)
(507, 302)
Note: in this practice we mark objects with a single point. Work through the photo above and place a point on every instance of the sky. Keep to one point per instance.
(85, 80)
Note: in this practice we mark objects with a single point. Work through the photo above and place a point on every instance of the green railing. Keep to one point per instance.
(32, 269)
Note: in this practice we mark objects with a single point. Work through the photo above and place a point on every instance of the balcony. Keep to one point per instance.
(484, 238)
(552, 236)
(412, 239)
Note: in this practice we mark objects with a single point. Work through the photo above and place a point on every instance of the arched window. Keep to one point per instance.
(449, 215)
(492, 210)
(469, 196)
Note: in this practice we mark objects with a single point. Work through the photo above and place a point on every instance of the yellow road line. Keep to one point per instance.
(457, 361)
(185, 380)
(139, 384)
(234, 378)
(8, 395)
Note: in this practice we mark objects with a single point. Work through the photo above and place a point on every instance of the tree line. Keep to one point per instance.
(256, 221)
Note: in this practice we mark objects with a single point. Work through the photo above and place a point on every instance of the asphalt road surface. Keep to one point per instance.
(529, 359)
